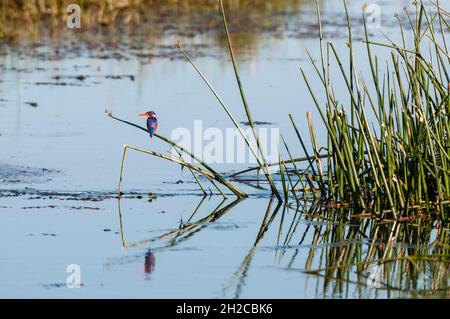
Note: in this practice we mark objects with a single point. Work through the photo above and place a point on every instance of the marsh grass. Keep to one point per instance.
(388, 148)
(400, 159)
(32, 19)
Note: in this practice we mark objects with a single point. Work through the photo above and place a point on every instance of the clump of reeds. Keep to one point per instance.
(389, 149)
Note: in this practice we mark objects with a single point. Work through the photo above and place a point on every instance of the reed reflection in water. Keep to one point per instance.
(347, 256)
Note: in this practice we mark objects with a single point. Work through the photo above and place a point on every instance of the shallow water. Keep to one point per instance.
(60, 162)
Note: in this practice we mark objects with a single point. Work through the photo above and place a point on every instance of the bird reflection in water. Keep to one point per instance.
(149, 262)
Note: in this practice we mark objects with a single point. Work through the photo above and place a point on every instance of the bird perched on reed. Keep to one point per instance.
(152, 122)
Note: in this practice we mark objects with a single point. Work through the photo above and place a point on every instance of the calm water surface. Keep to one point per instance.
(60, 162)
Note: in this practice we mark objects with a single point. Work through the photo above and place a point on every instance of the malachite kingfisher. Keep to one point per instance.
(152, 122)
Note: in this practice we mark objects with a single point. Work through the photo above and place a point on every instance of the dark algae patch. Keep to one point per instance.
(13, 174)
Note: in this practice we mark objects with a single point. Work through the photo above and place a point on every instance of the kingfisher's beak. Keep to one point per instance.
(143, 114)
